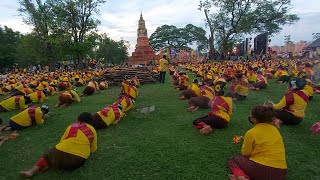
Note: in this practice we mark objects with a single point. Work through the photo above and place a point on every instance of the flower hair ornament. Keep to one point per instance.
(217, 88)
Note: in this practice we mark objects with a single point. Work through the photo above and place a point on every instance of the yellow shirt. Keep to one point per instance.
(297, 108)
(21, 86)
(37, 97)
(309, 88)
(24, 119)
(125, 102)
(73, 95)
(219, 108)
(79, 145)
(133, 91)
(124, 86)
(163, 65)
(94, 84)
(195, 88)
(10, 104)
(264, 145)
(43, 85)
(242, 88)
(207, 91)
(110, 118)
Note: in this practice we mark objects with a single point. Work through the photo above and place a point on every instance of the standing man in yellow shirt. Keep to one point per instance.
(77, 143)
(163, 67)
(263, 153)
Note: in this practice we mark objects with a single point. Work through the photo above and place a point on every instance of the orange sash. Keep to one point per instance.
(219, 101)
(39, 93)
(290, 99)
(82, 127)
(17, 100)
(115, 109)
(32, 113)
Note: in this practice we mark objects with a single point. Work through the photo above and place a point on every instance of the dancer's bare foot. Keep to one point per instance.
(189, 109)
(232, 177)
(195, 109)
(277, 122)
(241, 178)
(206, 129)
(26, 174)
(182, 98)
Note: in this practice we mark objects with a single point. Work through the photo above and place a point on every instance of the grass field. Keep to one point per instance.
(162, 144)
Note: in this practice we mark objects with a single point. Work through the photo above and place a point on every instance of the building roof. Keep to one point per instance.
(315, 44)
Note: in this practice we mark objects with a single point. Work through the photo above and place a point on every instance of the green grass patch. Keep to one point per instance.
(162, 144)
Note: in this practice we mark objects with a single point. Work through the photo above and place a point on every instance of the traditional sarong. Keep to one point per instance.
(240, 165)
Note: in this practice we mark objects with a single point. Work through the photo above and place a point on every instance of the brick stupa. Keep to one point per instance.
(143, 52)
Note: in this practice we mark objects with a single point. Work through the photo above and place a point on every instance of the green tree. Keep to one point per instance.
(26, 53)
(9, 41)
(39, 14)
(77, 18)
(110, 51)
(206, 6)
(171, 37)
(234, 18)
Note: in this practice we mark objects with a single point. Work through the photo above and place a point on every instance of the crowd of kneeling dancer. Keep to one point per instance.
(80, 138)
(263, 152)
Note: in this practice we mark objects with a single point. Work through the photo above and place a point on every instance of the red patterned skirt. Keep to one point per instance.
(65, 99)
(242, 166)
(98, 123)
(88, 90)
(200, 101)
(63, 161)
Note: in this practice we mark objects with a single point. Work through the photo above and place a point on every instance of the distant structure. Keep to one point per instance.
(291, 47)
(143, 52)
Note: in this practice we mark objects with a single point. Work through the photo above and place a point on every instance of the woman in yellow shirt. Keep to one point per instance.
(77, 143)
(31, 116)
(107, 116)
(219, 117)
(67, 98)
(263, 153)
(206, 95)
(192, 91)
(92, 87)
(291, 108)
(239, 88)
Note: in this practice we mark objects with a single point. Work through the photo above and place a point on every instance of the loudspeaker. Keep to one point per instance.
(260, 43)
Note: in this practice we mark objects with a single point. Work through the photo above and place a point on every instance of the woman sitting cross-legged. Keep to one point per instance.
(263, 153)
(75, 147)
(219, 117)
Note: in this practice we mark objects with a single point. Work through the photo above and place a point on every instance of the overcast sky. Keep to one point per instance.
(119, 18)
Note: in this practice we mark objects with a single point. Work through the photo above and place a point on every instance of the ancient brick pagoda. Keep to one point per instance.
(143, 52)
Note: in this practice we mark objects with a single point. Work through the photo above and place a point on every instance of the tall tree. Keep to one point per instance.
(27, 54)
(110, 51)
(9, 41)
(77, 18)
(206, 6)
(39, 14)
(235, 18)
(171, 37)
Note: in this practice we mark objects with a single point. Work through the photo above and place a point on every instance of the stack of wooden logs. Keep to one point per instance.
(145, 75)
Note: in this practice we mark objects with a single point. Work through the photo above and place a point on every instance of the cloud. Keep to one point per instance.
(302, 30)
(124, 22)
(119, 19)
(17, 25)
